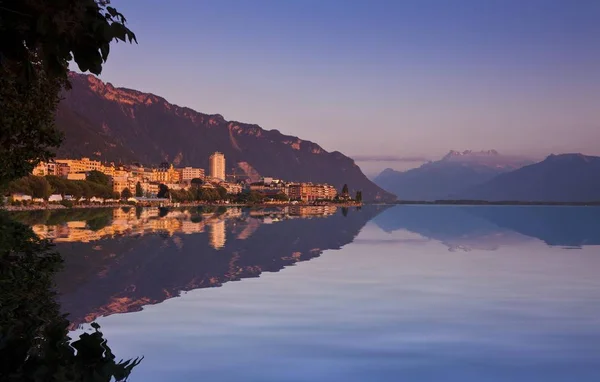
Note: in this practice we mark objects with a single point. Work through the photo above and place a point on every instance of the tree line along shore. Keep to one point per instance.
(167, 204)
(53, 192)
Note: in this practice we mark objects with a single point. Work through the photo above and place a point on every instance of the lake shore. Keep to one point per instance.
(42, 207)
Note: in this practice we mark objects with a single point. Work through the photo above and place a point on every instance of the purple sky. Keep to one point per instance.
(385, 81)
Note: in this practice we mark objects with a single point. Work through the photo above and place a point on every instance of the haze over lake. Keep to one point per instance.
(436, 293)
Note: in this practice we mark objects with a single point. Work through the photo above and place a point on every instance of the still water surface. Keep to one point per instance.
(404, 293)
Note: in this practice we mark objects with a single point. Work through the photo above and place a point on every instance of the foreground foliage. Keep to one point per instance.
(34, 341)
(38, 38)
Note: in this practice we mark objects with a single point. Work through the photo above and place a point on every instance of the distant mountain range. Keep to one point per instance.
(488, 175)
(124, 125)
(446, 178)
(558, 178)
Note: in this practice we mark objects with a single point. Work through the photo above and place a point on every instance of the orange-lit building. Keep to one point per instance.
(310, 192)
(81, 165)
(170, 175)
(51, 168)
(189, 173)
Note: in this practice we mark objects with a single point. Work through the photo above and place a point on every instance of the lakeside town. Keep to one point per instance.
(86, 182)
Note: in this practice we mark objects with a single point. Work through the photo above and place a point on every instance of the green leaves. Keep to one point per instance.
(358, 197)
(34, 341)
(104, 50)
(42, 25)
(163, 191)
(39, 38)
(113, 12)
(118, 31)
(27, 133)
(126, 193)
(98, 177)
(57, 31)
(138, 190)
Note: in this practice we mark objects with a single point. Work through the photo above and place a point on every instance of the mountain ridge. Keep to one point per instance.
(571, 177)
(124, 125)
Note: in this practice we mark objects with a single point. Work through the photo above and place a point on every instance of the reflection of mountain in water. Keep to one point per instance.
(131, 268)
(572, 226)
(488, 227)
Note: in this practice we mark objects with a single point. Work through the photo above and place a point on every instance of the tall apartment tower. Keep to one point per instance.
(216, 165)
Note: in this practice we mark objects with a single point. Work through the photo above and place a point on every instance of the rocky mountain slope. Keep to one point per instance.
(446, 178)
(124, 125)
(558, 178)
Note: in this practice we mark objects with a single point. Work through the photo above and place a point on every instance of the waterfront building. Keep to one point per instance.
(62, 170)
(19, 197)
(55, 198)
(151, 188)
(309, 192)
(120, 183)
(232, 188)
(51, 168)
(108, 170)
(40, 169)
(76, 176)
(165, 175)
(217, 166)
(270, 189)
(81, 165)
(189, 173)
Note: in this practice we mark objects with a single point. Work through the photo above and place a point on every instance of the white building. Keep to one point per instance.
(55, 198)
(216, 164)
(232, 188)
(76, 176)
(21, 197)
(189, 173)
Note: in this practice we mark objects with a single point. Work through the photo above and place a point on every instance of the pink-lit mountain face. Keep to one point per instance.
(124, 125)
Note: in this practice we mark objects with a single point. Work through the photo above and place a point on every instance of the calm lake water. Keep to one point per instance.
(404, 293)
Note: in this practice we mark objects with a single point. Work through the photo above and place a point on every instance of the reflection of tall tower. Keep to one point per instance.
(216, 164)
(216, 234)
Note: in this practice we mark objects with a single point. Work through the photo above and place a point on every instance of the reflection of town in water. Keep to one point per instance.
(129, 221)
(120, 261)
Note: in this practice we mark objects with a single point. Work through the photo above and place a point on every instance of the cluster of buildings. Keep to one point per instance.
(150, 178)
(306, 192)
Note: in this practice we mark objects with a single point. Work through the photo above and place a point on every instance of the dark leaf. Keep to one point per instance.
(113, 12)
(118, 31)
(105, 49)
